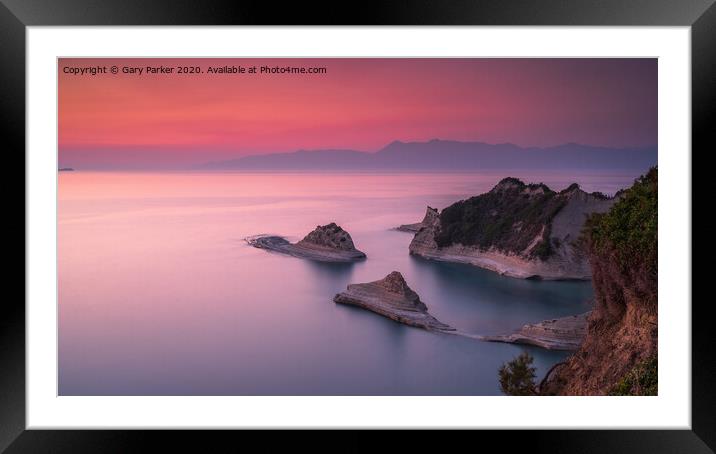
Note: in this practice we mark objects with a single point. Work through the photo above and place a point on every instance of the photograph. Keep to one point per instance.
(241, 217)
(357, 226)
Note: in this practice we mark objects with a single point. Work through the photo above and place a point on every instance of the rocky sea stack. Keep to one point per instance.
(330, 236)
(327, 243)
(392, 297)
(517, 229)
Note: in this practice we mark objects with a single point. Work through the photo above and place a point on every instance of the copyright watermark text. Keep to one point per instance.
(149, 70)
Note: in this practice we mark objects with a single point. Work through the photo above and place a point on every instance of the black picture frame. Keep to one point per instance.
(16, 15)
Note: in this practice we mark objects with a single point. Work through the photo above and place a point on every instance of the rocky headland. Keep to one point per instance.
(415, 227)
(327, 243)
(566, 333)
(391, 297)
(619, 353)
(516, 229)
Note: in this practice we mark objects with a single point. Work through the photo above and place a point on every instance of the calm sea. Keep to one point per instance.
(159, 294)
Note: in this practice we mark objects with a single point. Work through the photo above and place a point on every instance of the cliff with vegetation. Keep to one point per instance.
(516, 229)
(619, 353)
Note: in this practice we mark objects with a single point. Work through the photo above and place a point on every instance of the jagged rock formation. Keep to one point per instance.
(415, 227)
(327, 243)
(622, 333)
(516, 229)
(566, 333)
(391, 297)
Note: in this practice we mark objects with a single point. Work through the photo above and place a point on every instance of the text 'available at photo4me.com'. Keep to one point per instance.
(150, 70)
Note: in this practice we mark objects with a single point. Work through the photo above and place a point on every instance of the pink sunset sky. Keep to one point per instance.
(109, 121)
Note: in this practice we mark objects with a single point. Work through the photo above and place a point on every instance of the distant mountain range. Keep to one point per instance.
(450, 156)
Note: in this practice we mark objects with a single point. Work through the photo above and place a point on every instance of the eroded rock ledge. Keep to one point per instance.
(415, 227)
(566, 333)
(327, 243)
(391, 297)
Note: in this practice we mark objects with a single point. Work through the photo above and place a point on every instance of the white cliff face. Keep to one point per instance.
(424, 240)
(565, 261)
(568, 223)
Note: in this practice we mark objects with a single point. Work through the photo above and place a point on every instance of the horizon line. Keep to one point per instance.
(309, 150)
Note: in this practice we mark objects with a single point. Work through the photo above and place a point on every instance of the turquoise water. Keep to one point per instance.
(160, 295)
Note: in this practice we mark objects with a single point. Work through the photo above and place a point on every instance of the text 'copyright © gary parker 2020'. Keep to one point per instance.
(151, 70)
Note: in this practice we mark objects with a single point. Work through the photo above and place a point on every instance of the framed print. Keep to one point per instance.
(411, 217)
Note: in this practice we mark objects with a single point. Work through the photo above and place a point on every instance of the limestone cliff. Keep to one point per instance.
(516, 229)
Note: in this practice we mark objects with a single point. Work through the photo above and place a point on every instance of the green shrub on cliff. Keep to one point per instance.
(544, 249)
(629, 229)
(642, 380)
(517, 377)
(509, 217)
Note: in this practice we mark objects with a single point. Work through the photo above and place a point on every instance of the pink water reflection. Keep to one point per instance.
(158, 294)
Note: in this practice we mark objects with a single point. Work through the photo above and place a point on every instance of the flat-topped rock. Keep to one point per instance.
(566, 333)
(327, 243)
(392, 297)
